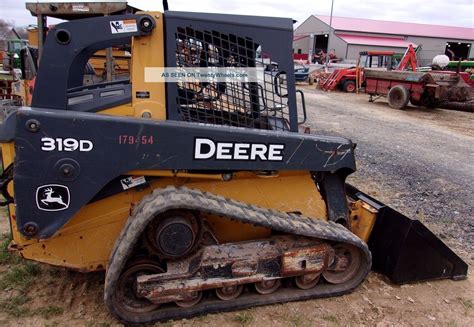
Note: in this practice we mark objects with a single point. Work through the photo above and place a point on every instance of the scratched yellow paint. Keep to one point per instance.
(85, 242)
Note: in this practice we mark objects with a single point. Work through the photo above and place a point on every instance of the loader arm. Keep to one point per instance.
(54, 147)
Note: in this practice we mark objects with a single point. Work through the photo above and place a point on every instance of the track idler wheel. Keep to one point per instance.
(173, 236)
(268, 286)
(347, 260)
(305, 282)
(195, 298)
(229, 292)
(125, 299)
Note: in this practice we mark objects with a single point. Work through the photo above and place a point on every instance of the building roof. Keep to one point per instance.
(375, 40)
(398, 28)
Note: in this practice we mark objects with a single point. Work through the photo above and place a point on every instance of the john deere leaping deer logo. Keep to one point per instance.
(52, 197)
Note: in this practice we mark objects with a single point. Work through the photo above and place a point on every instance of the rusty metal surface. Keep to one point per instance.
(307, 260)
(407, 76)
(76, 10)
(431, 89)
(449, 87)
(460, 91)
(231, 264)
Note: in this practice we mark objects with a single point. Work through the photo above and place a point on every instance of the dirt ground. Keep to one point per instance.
(418, 161)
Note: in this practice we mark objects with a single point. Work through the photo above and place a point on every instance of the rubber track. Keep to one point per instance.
(458, 106)
(162, 200)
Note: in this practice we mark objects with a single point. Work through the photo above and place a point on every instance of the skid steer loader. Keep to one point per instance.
(195, 197)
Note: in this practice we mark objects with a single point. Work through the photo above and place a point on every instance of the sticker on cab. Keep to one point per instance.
(129, 182)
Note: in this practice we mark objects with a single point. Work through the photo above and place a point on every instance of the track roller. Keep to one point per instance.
(268, 286)
(195, 297)
(305, 282)
(347, 261)
(125, 298)
(229, 292)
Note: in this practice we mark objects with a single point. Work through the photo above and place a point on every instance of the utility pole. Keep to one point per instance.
(329, 34)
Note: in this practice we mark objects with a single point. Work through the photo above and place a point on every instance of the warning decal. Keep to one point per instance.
(123, 26)
(130, 182)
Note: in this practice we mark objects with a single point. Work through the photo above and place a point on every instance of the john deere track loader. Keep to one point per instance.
(195, 197)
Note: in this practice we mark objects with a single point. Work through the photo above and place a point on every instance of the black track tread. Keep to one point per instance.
(459, 106)
(169, 198)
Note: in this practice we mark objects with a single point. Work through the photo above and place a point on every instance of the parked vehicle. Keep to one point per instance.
(462, 66)
(349, 79)
(429, 89)
(301, 73)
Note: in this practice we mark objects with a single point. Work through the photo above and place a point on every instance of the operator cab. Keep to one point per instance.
(382, 60)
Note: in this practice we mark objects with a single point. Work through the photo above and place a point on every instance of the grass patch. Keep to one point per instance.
(49, 311)
(298, 321)
(200, 318)
(244, 318)
(104, 324)
(452, 323)
(14, 306)
(332, 319)
(5, 256)
(468, 304)
(54, 272)
(165, 324)
(20, 276)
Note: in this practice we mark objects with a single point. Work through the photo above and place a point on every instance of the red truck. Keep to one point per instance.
(349, 79)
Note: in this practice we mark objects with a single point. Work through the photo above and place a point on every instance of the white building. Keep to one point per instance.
(349, 36)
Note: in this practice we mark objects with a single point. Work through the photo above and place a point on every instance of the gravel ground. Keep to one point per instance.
(418, 161)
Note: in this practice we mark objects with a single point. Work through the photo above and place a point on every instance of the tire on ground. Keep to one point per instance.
(349, 86)
(398, 97)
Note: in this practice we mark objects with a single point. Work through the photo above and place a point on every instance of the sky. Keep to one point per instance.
(438, 12)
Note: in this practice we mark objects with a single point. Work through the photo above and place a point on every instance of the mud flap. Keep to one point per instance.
(405, 250)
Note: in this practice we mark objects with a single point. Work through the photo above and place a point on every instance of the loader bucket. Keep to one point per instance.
(405, 250)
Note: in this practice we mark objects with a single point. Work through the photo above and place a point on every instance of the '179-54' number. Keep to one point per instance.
(68, 144)
(132, 139)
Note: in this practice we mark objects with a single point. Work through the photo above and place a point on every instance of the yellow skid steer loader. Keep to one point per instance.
(195, 196)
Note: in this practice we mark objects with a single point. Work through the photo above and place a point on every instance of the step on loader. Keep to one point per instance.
(195, 197)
